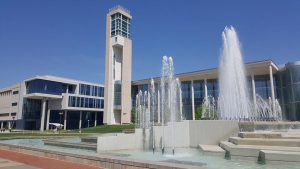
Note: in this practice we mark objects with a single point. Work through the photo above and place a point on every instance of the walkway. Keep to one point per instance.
(7, 164)
(15, 160)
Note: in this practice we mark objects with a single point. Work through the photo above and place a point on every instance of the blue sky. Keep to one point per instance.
(67, 37)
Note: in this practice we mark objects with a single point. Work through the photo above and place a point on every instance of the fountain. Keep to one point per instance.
(209, 109)
(233, 101)
(153, 111)
(170, 104)
(233, 97)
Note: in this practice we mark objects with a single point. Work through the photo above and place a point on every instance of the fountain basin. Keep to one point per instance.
(187, 134)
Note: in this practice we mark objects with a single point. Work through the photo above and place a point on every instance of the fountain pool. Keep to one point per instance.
(187, 156)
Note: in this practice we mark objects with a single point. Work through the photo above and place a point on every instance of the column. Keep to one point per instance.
(9, 124)
(205, 89)
(193, 100)
(158, 107)
(65, 120)
(2, 124)
(43, 114)
(253, 91)
(80, 120)
(48, 119)
(180, 106)
(272, 87)
(95, 119)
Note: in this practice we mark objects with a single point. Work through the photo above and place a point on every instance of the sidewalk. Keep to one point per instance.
(7, 164)
(24, 161)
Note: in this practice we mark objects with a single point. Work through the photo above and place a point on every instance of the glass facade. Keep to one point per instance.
(45, 86)
(186, 100)
(212, 88)
(85, 102)
(118, 94)
(120, 25)
(90, 90)
(73, 118)
(290, 91)
(31, 113)
(263, 86)
(199, 93)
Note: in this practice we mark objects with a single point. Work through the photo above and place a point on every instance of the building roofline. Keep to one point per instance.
(62, 80)
(267, 61)
(10, 87)
(119, 7)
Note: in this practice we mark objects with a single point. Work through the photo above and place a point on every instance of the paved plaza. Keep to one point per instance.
(14, 160)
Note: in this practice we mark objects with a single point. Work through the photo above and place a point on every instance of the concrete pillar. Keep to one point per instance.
(9, 124)
(43, 114)
(180, 106)
(253, 91)
(193, 99)
(48, 119)
(158, 107)
(95, 119)
(205, 89)
(272, 88)
(65, 120)
(80, 119)
(2, 124)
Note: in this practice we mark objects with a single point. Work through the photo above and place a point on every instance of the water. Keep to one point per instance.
(170, 98)
(188, 156)
(142, 110)
(233, 96)
(169, 103)
(209, 109)
(233, 100)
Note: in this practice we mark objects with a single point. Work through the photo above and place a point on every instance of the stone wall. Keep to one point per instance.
(186, 134)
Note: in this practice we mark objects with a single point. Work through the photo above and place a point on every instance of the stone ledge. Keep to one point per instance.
(106, 161)
(212, 150)
(286, 156)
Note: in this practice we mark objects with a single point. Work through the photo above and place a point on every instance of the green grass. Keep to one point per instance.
(106, 129)
(84, 131)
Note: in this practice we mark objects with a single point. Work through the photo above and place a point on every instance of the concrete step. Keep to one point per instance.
(89, 139)
(212, 150)
(259, 135)
(252, 150)
(268, 142)
(289, 135)
(285, 156)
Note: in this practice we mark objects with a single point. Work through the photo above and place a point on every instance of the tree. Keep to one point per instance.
(198, 112)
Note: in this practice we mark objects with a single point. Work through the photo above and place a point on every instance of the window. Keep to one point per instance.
(85, 102)
(13, 114)
(120, 25)
(4, 114)
(45, 86)
(14, 104)
(15, 92)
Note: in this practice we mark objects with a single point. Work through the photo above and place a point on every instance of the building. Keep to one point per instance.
(117, 108)
(37, 102)
(264, 78)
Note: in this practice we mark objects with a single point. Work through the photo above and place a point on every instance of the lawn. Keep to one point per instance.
(84, 131)
(105, 129)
